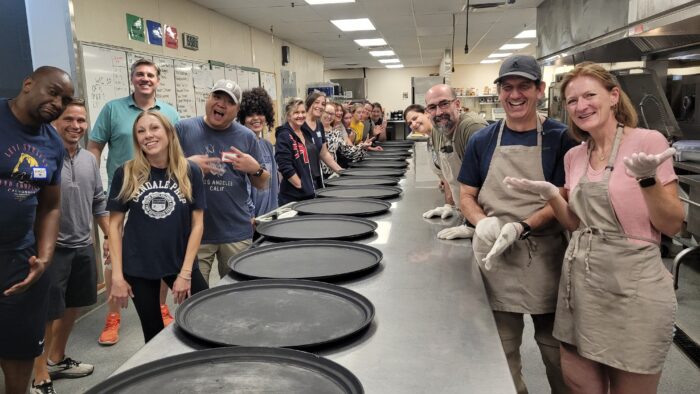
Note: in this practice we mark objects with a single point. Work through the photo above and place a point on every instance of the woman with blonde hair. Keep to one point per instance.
(616, 304)
(163, 194)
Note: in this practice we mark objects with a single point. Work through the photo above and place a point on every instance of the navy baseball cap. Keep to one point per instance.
(520, 66)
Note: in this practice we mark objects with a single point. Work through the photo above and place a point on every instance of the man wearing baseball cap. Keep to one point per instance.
(229, 156)
(518, 244)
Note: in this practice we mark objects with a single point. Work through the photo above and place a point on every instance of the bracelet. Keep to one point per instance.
(184, 277)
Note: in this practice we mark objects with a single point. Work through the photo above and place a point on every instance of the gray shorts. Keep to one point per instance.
(73, 279)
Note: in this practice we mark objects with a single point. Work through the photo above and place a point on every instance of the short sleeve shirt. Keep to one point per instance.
(114, 127)
(30, 158)
(227, 218)
(481, 146)
(159, 223)
(625, 194)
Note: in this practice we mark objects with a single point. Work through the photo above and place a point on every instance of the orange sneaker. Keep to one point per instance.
(110, 334)
(165, 314)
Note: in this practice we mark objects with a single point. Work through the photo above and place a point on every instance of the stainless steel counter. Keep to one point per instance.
(433, 330)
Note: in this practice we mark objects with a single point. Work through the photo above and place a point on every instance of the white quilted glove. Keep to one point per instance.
(510, 232)
(642, 165)
(444, 212)
(462, 231)
(546, 190)
(485, 235)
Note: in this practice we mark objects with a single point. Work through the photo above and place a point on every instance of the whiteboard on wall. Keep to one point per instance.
(203, 82)
(253, 79)
(230, 72)
(267, 80)
(242, 78)
(184, 89)
(166, 89)
(218, 72)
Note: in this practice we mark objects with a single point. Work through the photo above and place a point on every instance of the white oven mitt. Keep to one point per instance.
(456, 232)
(444, 212)
(643, 165)
(485, 235)
(546, 190)
(510, 233)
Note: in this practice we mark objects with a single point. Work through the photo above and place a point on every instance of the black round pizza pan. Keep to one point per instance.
(381, 192)
(380, 164)
(361, 180)
(397, 148)
(235, 370)
(385, 158)
(317, 227)
(317, 260)
(367, 171)
(396, 143)
(274, 313)
(342, 206)
(389, 153)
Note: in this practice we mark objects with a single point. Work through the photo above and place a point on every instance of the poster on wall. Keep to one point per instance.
(135, 27)
(155, 33)
(170, 36)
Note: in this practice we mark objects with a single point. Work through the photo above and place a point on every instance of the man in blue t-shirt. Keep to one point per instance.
(30, 204)
(229, 155)
(113, 128)
(517, 243)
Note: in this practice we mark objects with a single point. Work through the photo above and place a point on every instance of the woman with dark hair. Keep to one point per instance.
(342, 151)
(616, 304)
(257, 113)
(315, 139)
(418, 120)
(163, 193)
(292, 156)
(378, 122)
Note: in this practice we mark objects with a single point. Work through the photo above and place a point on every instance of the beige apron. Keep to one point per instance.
(616, 299)
(525, 277)
(450, 165)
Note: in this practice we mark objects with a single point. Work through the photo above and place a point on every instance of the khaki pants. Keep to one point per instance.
(222, 252)
(510, 330)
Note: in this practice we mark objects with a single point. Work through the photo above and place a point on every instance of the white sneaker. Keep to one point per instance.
(69, 368)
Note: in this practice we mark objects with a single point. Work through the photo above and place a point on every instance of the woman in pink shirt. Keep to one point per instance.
(616, 304)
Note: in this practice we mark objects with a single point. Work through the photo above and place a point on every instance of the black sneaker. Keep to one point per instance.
(69, 368)
(45, 387)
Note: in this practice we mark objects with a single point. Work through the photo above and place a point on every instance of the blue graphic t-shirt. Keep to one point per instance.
(159, 223)
(30, 158)
(265, 200)
(228, 215)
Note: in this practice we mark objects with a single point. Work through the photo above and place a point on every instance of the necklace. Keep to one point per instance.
(603, 156)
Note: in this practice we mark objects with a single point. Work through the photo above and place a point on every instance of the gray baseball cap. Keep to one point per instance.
(520, 66)
(229, 87)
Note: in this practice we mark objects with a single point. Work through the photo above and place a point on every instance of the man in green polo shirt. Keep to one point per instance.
(114, 128)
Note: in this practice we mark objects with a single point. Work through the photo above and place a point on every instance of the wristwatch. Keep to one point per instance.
(260, 171)
(526, 231)
(647, 182)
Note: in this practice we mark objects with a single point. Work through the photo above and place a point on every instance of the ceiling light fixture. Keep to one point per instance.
(353, 24)
(500, 55)
(509, 47)
(389, 61)
(370, 42)
(489, 61)
(527, 34)
(319, 2)
(381, 53)
(394, 66)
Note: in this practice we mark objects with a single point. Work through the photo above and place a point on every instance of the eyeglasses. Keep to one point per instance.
(444, 104)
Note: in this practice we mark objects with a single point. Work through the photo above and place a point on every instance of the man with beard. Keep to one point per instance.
(449, 137)
(113, 128)
(518, 244)
(30, 197)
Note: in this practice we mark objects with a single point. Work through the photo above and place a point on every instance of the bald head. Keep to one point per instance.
(442, 106)
(44, 95)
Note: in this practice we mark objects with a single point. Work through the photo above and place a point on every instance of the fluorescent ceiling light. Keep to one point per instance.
(394, 66)
(489, 61)
(527, 34)
(353, 24)
(500, 54)
(509, 47)
(315, 2)
(381, 53)
(371, 42)
(389, 61)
